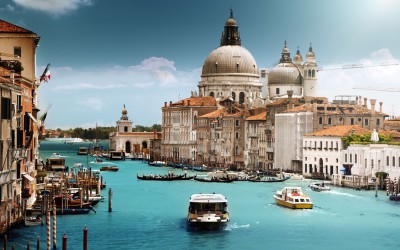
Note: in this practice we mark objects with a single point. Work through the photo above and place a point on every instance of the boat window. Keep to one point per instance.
(302, 200)
(296, 200)
(307, 200)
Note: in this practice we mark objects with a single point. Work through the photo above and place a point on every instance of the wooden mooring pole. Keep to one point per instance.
(64, 242)
(85, 238)
(110, 200)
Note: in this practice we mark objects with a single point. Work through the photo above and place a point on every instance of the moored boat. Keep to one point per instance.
(213, 179)
(319, 186)
(207, 211)
(394, 197)
(267, 179)
(293, 197)
(33, 221)
(109, 168)
(167, 177)
(157, 163)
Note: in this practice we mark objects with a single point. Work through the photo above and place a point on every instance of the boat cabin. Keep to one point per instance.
(117, 155)
(55, 164)
(83, 151)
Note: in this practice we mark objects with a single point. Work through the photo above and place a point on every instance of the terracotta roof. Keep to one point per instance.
(341, 131)
(260, 117)
(196, 101)
(284, 101)
(333, 109)
(214, 114)
(6, 27)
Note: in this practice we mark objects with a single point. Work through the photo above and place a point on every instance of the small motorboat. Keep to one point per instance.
(394, 197)
(33, 221)
(319, 186)
(293, 197)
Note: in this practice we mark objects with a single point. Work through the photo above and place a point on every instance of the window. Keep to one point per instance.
(352, 121)
(320, 120)
(5, 108)
(378, 122)
(277, 91)
(241, 97)
(345, 157)
(237, 135)
(233, 96)
(393, 161)
(387, 161)
(17, 51)
(329, 121)
(366, 122)
(237, 122)
(212, 94)
(313, 73)
(355, 158)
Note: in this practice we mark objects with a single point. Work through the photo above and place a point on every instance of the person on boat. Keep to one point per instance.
(323, 185)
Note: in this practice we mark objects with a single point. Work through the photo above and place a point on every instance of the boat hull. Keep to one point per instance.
(293, 205)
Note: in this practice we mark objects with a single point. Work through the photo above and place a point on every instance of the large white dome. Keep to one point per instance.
(284, 74)
(230, 59)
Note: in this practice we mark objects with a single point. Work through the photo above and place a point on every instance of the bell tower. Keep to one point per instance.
(310, 74)
(124, 124)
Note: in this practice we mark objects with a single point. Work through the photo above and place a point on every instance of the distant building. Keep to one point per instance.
(131, 143)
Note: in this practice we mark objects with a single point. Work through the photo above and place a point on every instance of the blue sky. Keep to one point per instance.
(105, 54)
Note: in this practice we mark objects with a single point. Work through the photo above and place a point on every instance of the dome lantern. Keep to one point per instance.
(230, 36)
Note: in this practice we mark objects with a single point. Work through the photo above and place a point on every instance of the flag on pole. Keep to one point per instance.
(46, 74)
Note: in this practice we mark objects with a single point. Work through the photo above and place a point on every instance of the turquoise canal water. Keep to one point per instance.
(151, 215)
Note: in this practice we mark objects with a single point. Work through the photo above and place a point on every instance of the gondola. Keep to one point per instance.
(165, 177)
(267, 179)
(225, 180)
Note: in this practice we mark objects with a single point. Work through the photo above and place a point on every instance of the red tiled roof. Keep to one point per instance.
(260, 117)
(341, 131)
(196, 101)
(6, 27)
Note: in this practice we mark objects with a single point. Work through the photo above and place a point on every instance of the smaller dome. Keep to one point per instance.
(310, 53)
(284, 74)
(231, 22)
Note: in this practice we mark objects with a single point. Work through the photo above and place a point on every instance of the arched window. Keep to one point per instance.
(309, 73)
(387, 161)
(393, 161)
(313, 73)
(234, 96)
(212, 94)
(378, 122)
(128, 147)
(144, 144)
(241, 98)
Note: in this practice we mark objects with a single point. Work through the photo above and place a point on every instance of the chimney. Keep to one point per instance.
(188, 102)
(380, 106)
(360, 101)
(365, 101)
(290, 104)
(373, 102)
(165, 104)
(170, 103)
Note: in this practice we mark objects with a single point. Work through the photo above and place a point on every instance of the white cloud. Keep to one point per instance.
(99, 94)
(374, 75)
(55, 7)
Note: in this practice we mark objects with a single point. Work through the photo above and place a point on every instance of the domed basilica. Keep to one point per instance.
(230, 71)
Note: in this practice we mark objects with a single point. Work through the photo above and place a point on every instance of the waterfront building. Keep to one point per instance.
(131, 143)
(367, 160)
(19, 123)
(178, 128)
(322, 149)
(344, 110)
(255, 151)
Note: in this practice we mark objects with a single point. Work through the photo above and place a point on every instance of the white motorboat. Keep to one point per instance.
(208, 211)
(319, 186)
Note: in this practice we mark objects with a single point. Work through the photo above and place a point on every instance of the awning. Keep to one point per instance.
(28, 177)
(33, 118)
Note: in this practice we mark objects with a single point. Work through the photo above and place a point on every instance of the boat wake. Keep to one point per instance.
(231, 227)
(343, 194)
